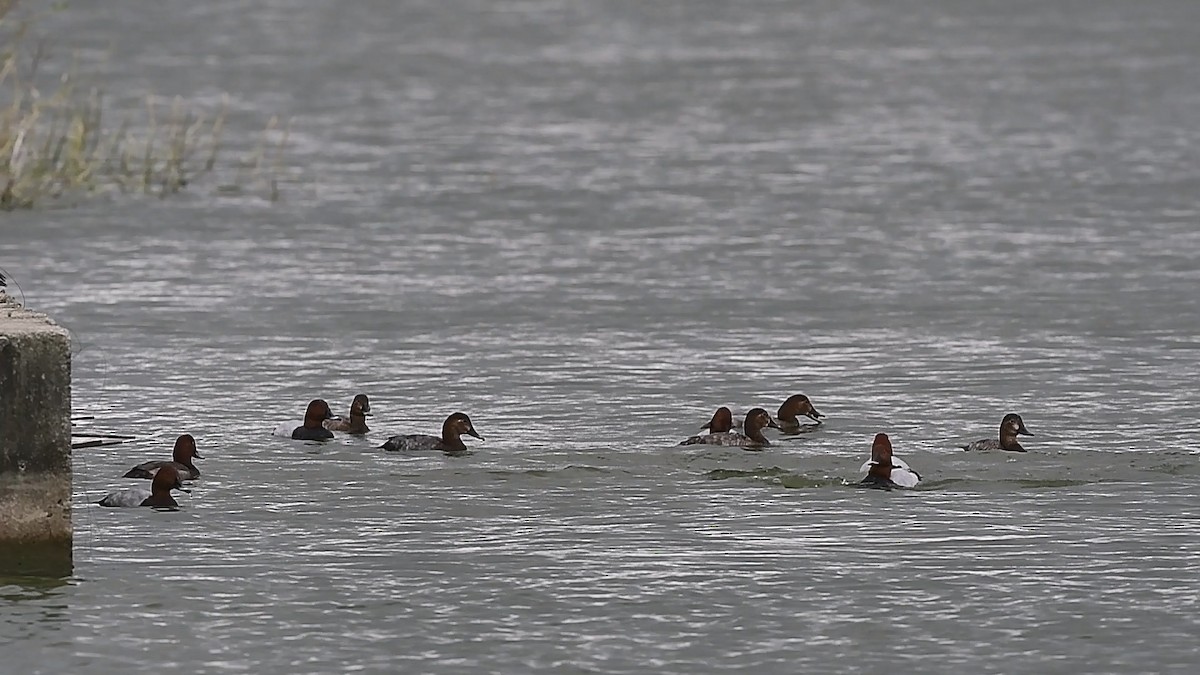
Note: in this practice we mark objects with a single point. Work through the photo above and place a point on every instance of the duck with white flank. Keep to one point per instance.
(752, 437)
(884, 471)
(159, 494)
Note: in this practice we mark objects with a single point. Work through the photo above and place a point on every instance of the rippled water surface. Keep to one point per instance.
(588, 224)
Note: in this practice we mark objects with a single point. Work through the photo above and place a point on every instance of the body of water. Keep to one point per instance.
(589, 224)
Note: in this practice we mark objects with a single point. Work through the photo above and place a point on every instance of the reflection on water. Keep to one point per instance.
(34, 606)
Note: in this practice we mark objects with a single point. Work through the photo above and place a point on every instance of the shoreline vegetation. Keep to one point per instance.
(58, 141)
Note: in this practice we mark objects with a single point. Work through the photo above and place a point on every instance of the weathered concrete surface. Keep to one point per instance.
(35, 443)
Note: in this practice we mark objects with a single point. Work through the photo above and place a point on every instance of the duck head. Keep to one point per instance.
(1010, 427)
(721, 422)
(1013, 425)
(457, 425)
(881, 457)
(165, 480)
(757, 420)
(360, 403)
(798, 405)
(317, 412)
(185, 450)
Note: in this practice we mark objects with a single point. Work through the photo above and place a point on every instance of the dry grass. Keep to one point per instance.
(58, 142)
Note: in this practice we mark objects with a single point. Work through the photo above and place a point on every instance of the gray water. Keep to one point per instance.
(588, 224)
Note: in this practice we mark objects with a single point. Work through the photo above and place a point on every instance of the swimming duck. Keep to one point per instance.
(317, 412)
(789, 412)
(454, 426)
(722, 421)
(357, 424)
(181, 459)
(1010, 427)
(756, 420)
(165, 479)
(885, 471)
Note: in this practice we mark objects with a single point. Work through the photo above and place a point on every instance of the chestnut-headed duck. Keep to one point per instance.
(455, 426)
(789, 415)
(721, 422)
(885, 471)
(357, 423)
(167, 478)
(752, 438)
(181, 459)
(317, 412)
(1010, 427)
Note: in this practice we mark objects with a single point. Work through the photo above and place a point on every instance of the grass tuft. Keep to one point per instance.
(58, 142)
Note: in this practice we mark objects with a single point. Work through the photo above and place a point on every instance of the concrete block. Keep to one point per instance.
(35, 444)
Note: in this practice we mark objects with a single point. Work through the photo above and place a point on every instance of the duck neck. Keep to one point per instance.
(881, 470)
(1008, 441)
(754, 433)
(160, 499)
(358, 423)
(720, 422)
(451, 439)
(788, 412)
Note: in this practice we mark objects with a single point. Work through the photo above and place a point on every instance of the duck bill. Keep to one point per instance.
(1024, 432)
(772, 423)
(197, 455)
(814, 415)
(474, 433)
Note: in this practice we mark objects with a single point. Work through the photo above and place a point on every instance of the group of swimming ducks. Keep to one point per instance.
(884, 470)
(320, 423)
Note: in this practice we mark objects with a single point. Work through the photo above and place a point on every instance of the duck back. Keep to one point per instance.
(412, 443)
(126, 497)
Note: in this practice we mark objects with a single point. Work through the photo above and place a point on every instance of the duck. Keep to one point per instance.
(752, 438)
(357, 424)
(455, 426)
(312, 430)
(885, 471)
(721, 422)
(166, 478)
(789, 415)
(181, 459)
(1010, 427)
